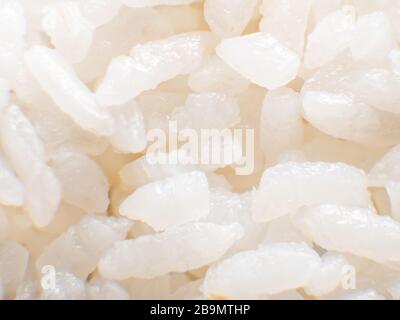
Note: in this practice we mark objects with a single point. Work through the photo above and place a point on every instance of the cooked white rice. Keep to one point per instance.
(86, 213)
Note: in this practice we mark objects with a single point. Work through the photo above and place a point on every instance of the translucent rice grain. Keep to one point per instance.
(394, 13)
(11, 189)
(13, 265)
(69, 31)
(106, 290)
(386, 169)
(27, 89)
(216, 76)
(331, 36)
(151, 256)
(328, 276)
(90, 193)
(170, 202)
(341, 114)
(57, 130)
(364, 7)
(78, 250)
(142, 171)
(20, 141)
(229, 18)
(283, 230)
(58, 79)
(12, 31)
(99, 12)
(368, 294)
(13, 23)
(152, 3)
(151, 64)
(67, 287)
(321, 8)
(42, 203)
(373, 38)
(130, 133)
(157, 107)
(4, 94)
(34, 11)
(329, 149)
(379, 88)
(269, 269)
(287, 21)
(66, 217)
(281, 124)
(394, 290)
(117, 37)
(4, 225)
(207, 111)
(355, 230)
(260, 58)
(229, 207)
(28, 290)
(287, 187)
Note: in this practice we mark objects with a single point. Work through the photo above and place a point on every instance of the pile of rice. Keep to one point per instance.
(85, 215)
